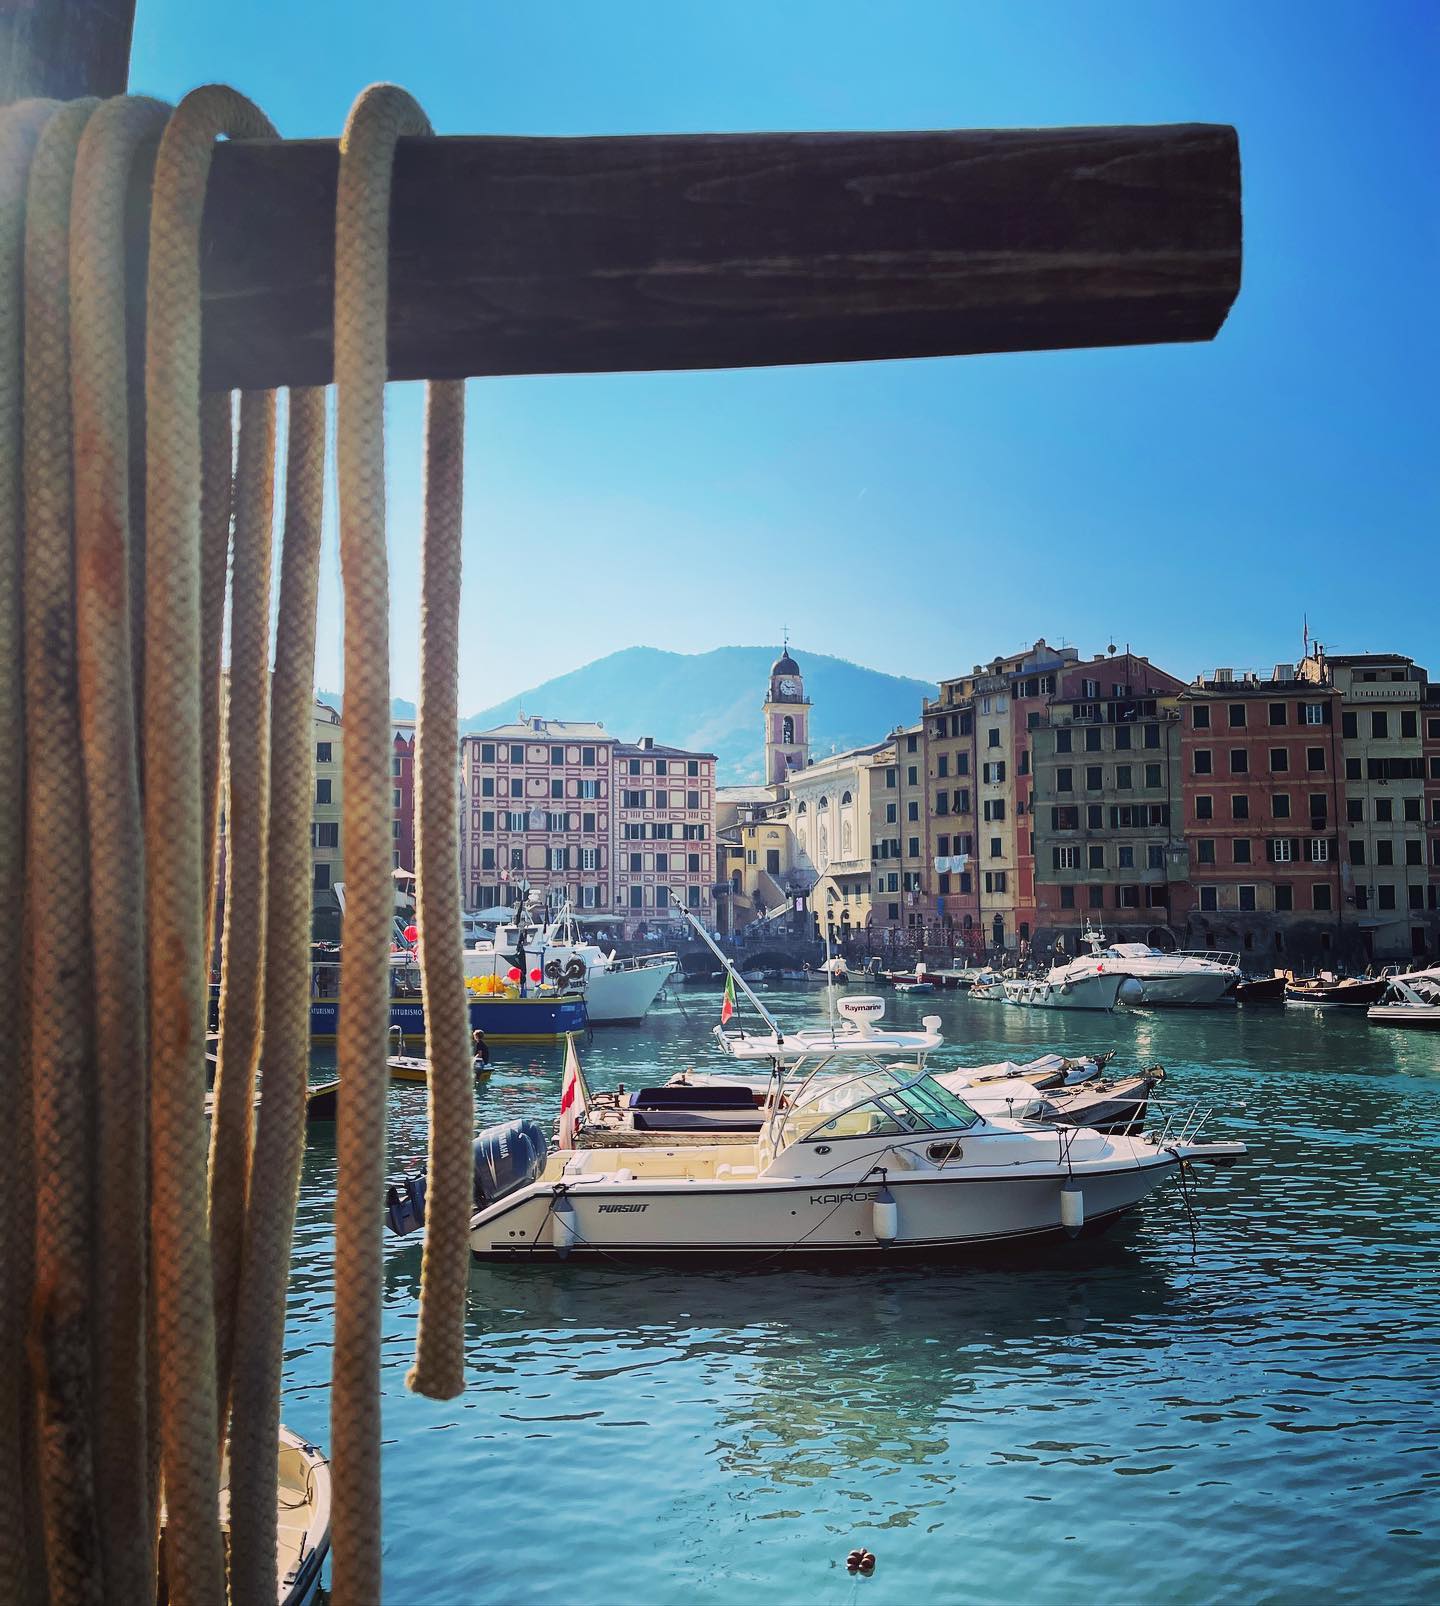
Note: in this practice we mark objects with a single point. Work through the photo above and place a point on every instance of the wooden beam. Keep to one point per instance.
(732, 250)
(64, 48)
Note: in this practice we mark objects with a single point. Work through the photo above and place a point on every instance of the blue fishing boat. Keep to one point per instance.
(536, 1019)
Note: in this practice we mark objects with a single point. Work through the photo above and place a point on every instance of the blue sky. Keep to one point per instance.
(1191, 500)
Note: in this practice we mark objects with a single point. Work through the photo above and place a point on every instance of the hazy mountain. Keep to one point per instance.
(711, 701)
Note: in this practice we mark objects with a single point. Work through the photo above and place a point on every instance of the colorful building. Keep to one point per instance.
(1263, 819)
(1105, 811)
(1382, 700)
(539, 796)
(327, 857)
(665, 833)
(402, 775)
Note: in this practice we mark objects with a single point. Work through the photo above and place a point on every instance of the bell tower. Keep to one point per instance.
(787, 720)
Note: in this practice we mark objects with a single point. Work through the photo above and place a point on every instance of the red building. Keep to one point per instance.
(1264, 806)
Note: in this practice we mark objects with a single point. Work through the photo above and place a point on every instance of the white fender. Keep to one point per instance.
(564, 1229)
(885, 1217)
(1072, 1206)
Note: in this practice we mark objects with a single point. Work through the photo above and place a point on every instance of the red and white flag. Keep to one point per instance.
(574, 1095)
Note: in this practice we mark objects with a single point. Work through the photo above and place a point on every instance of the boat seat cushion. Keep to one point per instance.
(681, 1097)
(697, 1121)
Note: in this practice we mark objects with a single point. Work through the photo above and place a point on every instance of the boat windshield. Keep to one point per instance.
(879, 1102)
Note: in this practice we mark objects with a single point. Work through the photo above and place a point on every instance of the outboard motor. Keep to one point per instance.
(506, 1158)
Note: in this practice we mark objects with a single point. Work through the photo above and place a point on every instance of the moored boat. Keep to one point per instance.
(1412, 1001)
(1164, 980)
(1327, 991)
(1260, 989)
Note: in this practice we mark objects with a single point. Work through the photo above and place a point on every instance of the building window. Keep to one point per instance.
(1096, 853)
(1247, 899)
(1065, 857)
(322, 752)
(1204, 807)
(1384, 810)
(1204, 762)
(1239, 761)
(1122, 777)
(517, 786)
(996, 848)
(1205, 850)
(1152, 777)
(1092, 741)
(1095, 897)
(1064, 779)
(1062, 741)
(487, 752)
(1200, 717)
(992, 736)
(891, 813)
(1277, 714)
(1122, 737)
(517, 753)
(322, 791)
(1242, 850)
(1352, 769)
(1379, 724)
(1320, 895)
(1093, 778)
(1314, 758)
(1239, 807)
(1126, 860)
(1412, 851)
(1282, 850)
(1208, 898)
(1349, 727)
(1237, 716)
(912, 810)
(1314, 713)
(327, 834)
(942, 766)
(322, 877)
(1385, 897)
(1067, 897)
(1155, 856)
(1280, 805)
(1279, 761)
(1094, 816)
(1284, 897)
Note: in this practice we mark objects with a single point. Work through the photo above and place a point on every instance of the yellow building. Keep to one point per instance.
(844, 814)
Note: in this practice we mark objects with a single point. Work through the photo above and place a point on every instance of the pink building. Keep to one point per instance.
(665, 833)
(538, 812)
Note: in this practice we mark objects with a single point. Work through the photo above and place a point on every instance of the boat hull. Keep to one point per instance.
(802, 1219)
(623, 997)
(1086, 992)
(1184, 990)
(503, 1020)
(1422, 1017)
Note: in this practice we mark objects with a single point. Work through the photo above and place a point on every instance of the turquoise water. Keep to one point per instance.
(1251, 1420)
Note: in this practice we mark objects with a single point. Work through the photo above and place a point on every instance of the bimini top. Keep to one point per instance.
(860, 1034)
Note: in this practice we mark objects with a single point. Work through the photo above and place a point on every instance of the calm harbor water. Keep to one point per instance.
(1255, 1419)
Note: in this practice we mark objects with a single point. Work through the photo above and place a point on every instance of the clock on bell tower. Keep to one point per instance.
(787, 721)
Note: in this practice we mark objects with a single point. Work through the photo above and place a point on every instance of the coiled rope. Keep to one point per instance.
(142, 1278)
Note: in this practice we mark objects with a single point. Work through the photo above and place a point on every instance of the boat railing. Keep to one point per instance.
(1212, 956)
(1180, 1123)
(644, 961)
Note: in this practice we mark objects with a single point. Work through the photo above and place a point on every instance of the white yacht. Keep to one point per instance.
(1185, 977)
(617, 991)
(862, 1154)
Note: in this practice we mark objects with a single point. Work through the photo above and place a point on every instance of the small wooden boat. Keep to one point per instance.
(922, 986)
(1324, 991)
(303, 1512)
(1260, 990)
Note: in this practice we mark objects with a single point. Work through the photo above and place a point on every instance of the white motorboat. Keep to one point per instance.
(617, 991)
(1412, 1000)
(859, 1156)
(1165, 980)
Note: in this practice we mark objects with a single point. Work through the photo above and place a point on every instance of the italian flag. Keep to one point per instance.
(727, 1004)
